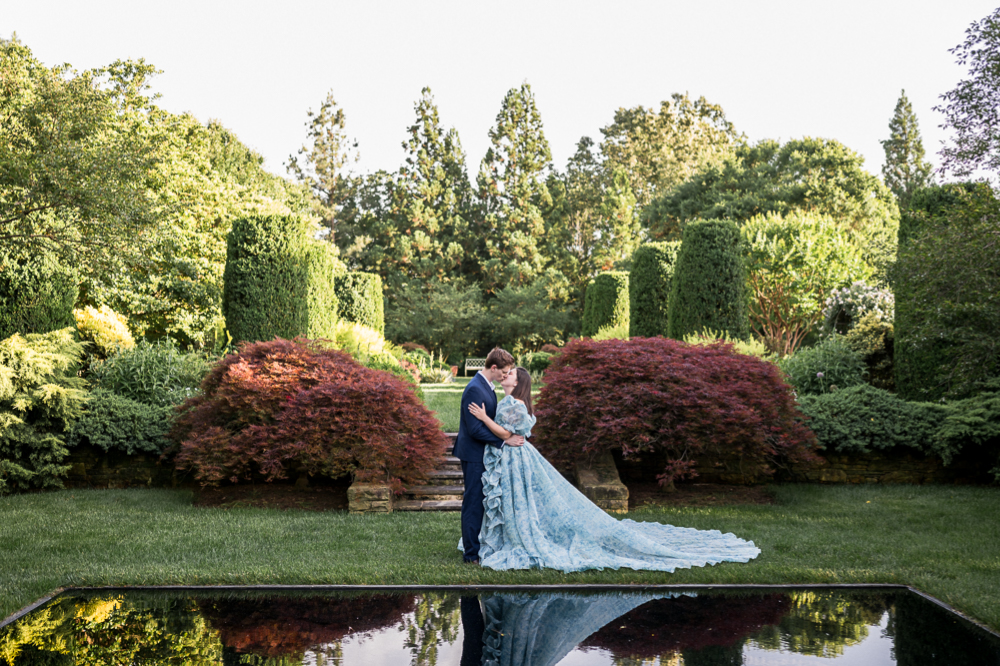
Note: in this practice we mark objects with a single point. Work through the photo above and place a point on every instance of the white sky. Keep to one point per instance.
(779, 69)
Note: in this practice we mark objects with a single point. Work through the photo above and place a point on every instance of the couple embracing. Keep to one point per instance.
(518, 512)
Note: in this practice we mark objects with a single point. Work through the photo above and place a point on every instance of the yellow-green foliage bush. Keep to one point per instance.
(751, 347)
(617, 331)
(105, 328)
(365, 343)
(40, 397)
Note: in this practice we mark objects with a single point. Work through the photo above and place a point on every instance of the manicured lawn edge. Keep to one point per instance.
(942, 540)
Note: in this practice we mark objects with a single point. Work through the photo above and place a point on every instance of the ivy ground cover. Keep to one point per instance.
(944, 540)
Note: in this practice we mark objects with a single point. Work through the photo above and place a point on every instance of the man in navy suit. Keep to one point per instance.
(473, 438)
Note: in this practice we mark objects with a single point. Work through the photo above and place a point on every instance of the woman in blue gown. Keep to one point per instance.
(536, 519)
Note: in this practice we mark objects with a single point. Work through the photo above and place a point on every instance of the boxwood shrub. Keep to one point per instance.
(111, 421)
(360, 299)
(649, 288)
(709, 284)
(606, 302)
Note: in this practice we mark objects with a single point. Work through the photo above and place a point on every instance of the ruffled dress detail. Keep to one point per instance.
(534, 518)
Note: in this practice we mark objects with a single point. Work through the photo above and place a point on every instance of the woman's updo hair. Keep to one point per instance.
(523, 389)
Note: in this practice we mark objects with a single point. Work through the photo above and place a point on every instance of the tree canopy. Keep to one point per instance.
(659, 149)
(76, 153)
(972, 108)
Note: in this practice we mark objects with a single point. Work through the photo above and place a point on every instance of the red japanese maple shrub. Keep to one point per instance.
(688, 623)
(281, 404)
(276, 627)
(656, 394)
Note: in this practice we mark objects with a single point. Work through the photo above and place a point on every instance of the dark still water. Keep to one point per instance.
(701, 627)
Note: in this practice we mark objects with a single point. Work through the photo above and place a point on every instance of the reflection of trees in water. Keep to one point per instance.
(435, 620)
(279, 630)
(664, 628)
(821, 624)
(111, 631)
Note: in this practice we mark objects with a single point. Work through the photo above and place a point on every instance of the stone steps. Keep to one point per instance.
(441, 491)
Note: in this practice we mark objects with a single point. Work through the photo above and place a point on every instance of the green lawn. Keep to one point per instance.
(445, 400)
(943, 540)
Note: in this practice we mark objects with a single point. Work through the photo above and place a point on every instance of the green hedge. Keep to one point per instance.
(323, 305)
(360, 299)
(709, 285)
(606, 303)
(863, 418)
(112, 421)
(37, 293)
(649, 288)
(917, 371)
(266, 288)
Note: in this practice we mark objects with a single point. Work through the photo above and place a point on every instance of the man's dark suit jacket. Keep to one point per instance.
(473, 435)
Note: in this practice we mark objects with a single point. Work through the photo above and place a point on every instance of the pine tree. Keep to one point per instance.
(593, 223)
(432, 199)
(511, 187)
(325, 162)
(905, 170)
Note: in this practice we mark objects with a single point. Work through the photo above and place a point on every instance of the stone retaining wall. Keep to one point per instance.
(92, 467)
(971, 466)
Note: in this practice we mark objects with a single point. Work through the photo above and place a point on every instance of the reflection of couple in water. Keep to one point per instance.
(518, 512)
(535, 629)
(540, 629)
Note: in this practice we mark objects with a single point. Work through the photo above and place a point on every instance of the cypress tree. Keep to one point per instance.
(709, 284)
(649, 288)
(905, 171)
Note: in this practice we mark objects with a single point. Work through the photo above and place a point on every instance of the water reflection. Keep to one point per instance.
(495, 628)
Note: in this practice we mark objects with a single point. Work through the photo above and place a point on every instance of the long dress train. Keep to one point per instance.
(535, 518)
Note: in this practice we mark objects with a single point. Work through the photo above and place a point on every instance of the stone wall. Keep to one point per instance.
(92, 467)
(971, 466)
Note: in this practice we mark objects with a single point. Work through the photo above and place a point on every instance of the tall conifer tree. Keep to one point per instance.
(512, 190)
(905, 170)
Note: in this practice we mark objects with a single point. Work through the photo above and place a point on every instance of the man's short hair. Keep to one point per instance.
(500, 358)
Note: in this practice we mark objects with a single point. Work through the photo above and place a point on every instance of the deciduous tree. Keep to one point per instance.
(972, 108)
(659, 149)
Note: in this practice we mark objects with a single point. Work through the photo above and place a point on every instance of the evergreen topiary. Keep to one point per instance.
(323, 304)
(649, 288)
(360, 299)
(37, 293)
(606, 304)
(266, 286)
(709, 285)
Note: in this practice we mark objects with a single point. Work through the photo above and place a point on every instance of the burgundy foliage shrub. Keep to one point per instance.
(687, 623)
(279, 627)
(649, 394)
(294, 404)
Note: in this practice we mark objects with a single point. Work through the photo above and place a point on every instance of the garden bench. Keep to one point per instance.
(475, 364)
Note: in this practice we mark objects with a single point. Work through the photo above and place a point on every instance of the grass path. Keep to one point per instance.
(943, 540)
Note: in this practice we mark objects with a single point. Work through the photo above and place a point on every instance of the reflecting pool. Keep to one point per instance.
(508, 627)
